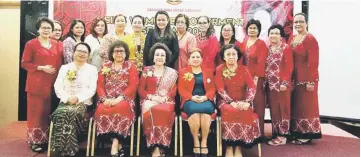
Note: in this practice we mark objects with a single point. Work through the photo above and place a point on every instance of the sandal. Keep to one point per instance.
(299, 142)
(160, 153)
(36, 148)
(277, 141)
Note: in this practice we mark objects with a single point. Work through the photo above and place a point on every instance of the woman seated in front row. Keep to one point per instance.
(75, 86)
(117, 85)
(157, 89)
(236, 89)
(197, 90)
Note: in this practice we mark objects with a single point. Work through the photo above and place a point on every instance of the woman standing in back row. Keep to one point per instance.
(187, 41)
(305, 119)
(255, 51)
(41, 59)
(161, 33)
(207, 42)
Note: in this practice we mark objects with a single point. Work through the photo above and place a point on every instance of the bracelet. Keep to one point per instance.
(149, 97)
(103, 99)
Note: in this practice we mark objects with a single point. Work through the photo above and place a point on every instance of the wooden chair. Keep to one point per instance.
(93, 140)
(255, 119)
(89, 114)
(184, 117)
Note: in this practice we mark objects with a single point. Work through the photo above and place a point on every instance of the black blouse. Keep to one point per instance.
(172, 44)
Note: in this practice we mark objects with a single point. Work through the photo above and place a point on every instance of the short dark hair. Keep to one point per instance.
(82, 43)
(116, 44)
(160, 46)
(240, 54)
(138, 16)
(210, 31)
(46, 20)
(279, 27)
(94, 24)
(302, 14)
(72, 25)
(257, 23)
(185, 17)
(120, 15)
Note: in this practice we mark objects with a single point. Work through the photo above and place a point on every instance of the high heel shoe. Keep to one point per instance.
(121, 152)
(36, 148)
(204, 154)
(196, 154)
(162, 154)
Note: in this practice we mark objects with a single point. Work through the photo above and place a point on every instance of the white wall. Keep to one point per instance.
(336, 26)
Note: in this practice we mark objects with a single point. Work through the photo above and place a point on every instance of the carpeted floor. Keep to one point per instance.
(12, 144)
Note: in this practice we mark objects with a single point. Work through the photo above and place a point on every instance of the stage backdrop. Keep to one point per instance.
(221, 11)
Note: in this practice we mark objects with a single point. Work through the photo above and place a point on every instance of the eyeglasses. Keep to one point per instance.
(227, 30)
(119, 52)
(271, 33)
(82, 51)
(300, 22)
(46, 28)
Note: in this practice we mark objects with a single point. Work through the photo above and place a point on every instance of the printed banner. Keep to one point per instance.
(220, 11)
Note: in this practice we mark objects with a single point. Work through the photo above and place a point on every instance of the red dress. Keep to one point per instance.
(305, 120)
(157, 118)
(210, 49)
(279, 66)
(39, 87)
(111, 84)
(238, 126)
(256, 62)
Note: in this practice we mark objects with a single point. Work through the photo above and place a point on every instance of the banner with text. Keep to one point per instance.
(220, 11)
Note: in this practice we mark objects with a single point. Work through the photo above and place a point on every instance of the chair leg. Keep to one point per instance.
(220, 136)
(138, 136)
(132, 140)
(50, 133)
(259, 150)
(180, 136)
(93, 139)
(217, 132)
(89, 135)
(176, 136)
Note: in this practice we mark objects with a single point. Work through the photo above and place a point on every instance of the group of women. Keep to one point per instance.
(236, 79)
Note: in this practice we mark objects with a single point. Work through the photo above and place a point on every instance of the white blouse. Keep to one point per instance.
(93, 42)
(83, 86)
(94, 57)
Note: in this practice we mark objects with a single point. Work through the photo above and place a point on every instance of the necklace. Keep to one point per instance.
(46, 44)
(181, 36)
